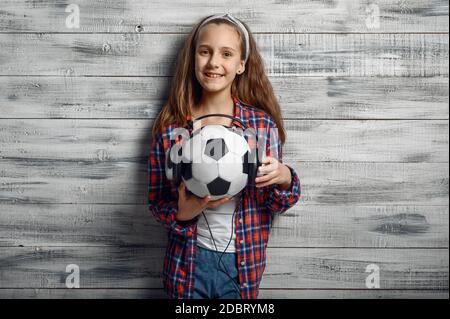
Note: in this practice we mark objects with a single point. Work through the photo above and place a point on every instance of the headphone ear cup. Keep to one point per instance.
(173, 164)
(169, 165)
(178, 165)
(252, 157)
(177, 174)
(252, 166)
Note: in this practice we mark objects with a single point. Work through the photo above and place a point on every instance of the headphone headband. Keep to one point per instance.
(174, 170)
(222, 115)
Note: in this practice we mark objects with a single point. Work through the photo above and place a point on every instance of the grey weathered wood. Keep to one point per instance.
(125, 182)
(180, 15)
(91, 161)
(367, 141)
(351, 294)
(361, 226)
(113, 140)
(372, 191)
(302, 226)
(264, 293)
(345, 268)
(88, 293)
(299, 97)
(283, 54)
(326, 268)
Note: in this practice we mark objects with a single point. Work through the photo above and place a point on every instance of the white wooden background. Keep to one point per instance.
(364, 92)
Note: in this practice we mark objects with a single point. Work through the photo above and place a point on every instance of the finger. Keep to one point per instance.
(216, 203)
(265, 184)
(261, 169)
(267, 168)
(266, 160)
(272, 168)
(265, 178)
(219, 201)
(205, 200)
(272, 161)
(182, 190)
(270, 181)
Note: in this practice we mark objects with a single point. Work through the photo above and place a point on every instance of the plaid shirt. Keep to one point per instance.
(254, 214)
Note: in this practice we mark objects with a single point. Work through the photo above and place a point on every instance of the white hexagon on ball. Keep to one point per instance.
(236, 143)
(205, 172)
(230, 166)
(196, 187)
(238, 184)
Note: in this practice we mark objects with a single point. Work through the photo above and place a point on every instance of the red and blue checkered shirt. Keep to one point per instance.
(254, 214)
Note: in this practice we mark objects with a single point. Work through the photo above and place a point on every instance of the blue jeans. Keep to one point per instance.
(212, 283)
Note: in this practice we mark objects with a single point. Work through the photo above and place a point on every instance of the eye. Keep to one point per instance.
(228, 54)
(203, 51)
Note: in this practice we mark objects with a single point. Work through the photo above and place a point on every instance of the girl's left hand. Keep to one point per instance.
(274, 173)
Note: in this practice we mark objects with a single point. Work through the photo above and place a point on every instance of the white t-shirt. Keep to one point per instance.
(220, 221)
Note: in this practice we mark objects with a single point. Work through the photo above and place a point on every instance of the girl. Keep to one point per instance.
(210, 254)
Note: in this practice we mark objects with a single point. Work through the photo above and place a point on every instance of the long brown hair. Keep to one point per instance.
(251, 87)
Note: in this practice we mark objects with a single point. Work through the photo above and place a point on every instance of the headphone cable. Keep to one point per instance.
(217, 250)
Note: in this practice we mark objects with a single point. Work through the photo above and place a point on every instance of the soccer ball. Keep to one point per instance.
(215, 161)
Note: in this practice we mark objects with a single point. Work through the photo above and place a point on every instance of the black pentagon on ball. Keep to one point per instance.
(218, 187)
(216, 148)
(186, 170)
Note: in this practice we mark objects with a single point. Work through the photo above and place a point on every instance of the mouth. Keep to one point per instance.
(211, 75)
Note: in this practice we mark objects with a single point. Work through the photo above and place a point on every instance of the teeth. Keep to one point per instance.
(213, 75)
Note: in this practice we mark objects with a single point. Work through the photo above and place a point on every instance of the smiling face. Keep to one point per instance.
(218, 57)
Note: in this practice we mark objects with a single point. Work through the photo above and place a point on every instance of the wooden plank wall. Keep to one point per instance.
(364, 92)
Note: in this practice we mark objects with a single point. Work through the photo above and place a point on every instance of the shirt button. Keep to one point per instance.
(240, 220)
(244, 284)
(242, 263)
(241, 241)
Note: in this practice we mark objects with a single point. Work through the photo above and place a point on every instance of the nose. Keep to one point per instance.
(214, 60)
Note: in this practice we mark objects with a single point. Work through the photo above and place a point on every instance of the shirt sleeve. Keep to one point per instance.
(279, 200)
(162, 194)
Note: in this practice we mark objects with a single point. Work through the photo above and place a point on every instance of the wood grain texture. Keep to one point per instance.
(283, 54)
(24, 181)
(105, 161)
(117, 267)
(365, 105)
(305, 226)
(128, 141)
(299, 97)
(267, 16)
(53, 181)
(264, 293)
(352, 294)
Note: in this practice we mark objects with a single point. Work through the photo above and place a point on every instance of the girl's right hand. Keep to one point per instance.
(189, 206)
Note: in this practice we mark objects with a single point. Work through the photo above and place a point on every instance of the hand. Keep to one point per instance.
(190, 206)
(274, 173)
